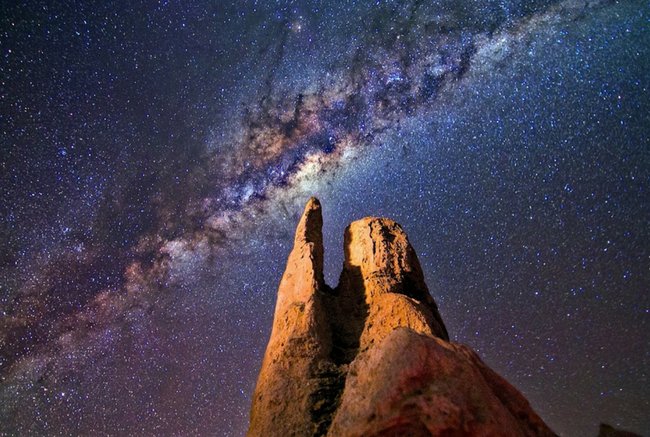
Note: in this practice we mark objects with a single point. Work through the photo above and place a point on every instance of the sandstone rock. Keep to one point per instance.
(300, 339)
(382, 274)
(411, 384)
(372, 356)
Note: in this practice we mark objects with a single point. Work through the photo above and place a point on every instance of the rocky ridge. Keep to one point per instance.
(372, 356)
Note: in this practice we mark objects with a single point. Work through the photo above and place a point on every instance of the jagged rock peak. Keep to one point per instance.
(303, 275)
(379, 247)
(300, 339)
(310, 232)
(310, 226)
(372, 356)
(381, 264)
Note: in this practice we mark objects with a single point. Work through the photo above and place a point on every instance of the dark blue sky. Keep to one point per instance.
(155, 157)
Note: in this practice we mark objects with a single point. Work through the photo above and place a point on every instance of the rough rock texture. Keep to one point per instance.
(383, 282)
(300, 339)
(372, 357)
(417, 385)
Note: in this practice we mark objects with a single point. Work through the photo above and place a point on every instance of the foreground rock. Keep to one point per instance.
(372, 357)
(300, 340)
(606, 430)
(416, 385)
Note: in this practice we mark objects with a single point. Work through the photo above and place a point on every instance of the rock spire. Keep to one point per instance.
(372, 356)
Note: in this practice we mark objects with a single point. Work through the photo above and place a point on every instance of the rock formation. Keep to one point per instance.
(372, 356)
(606, 430)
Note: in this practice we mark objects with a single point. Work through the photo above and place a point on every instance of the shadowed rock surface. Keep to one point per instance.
(606, 430)
(372, 356)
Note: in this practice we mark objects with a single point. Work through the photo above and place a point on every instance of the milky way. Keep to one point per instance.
(155, 158)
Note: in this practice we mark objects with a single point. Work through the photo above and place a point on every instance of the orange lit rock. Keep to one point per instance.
(372, 357)
(382, 283)
(300, 340)
(412, 384)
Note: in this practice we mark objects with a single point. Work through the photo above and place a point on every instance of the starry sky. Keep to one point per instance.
(156, 156)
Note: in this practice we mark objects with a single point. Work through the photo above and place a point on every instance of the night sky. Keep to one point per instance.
(156, 156)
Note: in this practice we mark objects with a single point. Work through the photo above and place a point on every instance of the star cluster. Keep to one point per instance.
(156, 155)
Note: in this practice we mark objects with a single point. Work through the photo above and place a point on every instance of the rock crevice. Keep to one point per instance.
(372, 356)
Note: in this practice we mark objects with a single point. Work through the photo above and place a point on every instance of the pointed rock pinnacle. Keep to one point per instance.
(372, 356)
(300, 338)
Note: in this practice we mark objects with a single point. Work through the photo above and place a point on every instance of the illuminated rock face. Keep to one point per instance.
(300, 343)
(372, 356)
